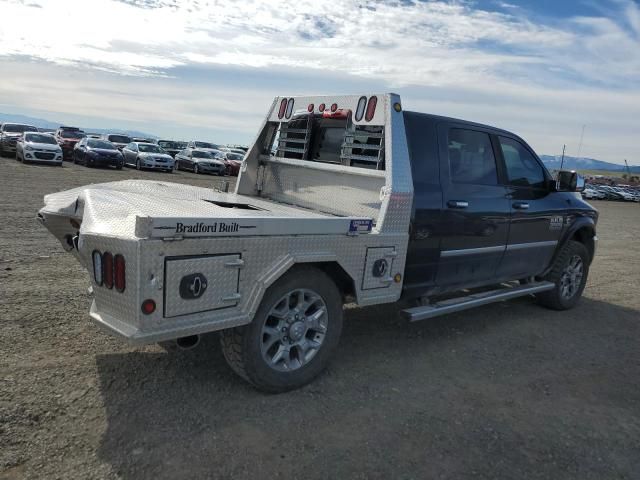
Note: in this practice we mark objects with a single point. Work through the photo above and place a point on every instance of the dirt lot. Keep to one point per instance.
(506, 391)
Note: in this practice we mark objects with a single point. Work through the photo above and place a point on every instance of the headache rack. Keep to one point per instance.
(361, 145)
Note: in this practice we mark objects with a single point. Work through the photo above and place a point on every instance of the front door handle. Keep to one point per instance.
(521, 205)
(457, 204)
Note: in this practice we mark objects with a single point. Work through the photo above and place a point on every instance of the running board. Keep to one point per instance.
(474, 300)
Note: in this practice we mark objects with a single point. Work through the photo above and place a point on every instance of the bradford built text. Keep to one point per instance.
(200, 227)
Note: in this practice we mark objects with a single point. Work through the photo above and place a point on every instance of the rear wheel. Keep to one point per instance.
(569, 273)
(138, 166)
(195, 168)
(293, 334)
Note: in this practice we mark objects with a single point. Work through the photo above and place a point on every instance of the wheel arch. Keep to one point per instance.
(582, 230)
(586, 235)
(326, 263)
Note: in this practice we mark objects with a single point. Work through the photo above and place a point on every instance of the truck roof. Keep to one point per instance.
(442, 118)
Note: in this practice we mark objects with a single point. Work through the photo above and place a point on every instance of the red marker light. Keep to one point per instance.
(371, 108)
(119, 269)
(107, 269)
(334, 107)
(283, 107)
(148, 307)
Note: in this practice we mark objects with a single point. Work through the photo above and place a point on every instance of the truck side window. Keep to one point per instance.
(471, 158)
(522, 168)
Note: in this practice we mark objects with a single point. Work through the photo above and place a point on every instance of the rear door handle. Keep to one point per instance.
(520, 205)
(457, 204)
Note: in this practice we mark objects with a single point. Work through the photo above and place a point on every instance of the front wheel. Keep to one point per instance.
(196, 170)
(293, 334)
(569, 273)
(138, 166)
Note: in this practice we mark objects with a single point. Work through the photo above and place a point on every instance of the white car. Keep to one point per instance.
(38, 147)
(147, 155)
(590, 194)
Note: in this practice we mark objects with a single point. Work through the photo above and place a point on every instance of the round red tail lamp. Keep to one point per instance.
(148, 306)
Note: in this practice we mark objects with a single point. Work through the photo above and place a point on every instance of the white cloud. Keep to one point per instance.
(575, 72)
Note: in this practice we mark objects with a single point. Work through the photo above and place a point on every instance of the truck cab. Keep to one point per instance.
(340, 199)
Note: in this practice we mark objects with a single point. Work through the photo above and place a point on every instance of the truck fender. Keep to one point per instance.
(327, 262)
(581, 229)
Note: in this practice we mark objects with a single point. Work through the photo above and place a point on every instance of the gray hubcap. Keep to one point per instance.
(294, 330)
(571, 277)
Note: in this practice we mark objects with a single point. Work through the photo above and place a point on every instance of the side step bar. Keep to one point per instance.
(474, 300)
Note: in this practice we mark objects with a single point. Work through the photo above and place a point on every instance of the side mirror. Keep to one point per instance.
(569, 181)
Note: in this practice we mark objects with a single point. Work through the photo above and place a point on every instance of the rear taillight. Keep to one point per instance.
(283, 107)
(148, 306)
(97, 266)
(119, 273)
(334, 107)
(321, 107)
(371, 108)
(107, 269)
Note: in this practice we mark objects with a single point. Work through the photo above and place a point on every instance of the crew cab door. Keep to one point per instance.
(475, 216)
(537, 216)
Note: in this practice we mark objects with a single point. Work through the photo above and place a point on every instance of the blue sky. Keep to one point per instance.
(209, 69)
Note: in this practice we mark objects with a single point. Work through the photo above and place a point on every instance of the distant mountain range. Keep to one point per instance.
(49, 125)
(574, 163)
(552, 162)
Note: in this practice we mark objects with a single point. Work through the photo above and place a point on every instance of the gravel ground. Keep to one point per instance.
(505, 391)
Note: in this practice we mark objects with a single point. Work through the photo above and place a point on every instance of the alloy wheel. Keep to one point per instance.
(294, 330)
(571, 277)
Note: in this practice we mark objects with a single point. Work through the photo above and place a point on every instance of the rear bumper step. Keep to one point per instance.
(474, 300)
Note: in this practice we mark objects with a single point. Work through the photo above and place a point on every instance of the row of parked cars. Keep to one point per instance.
(117, 150)
(624, 193)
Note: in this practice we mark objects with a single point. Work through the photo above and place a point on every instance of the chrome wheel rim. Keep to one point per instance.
(571, 277)
(294, 330)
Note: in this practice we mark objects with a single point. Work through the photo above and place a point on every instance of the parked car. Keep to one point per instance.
(97, 153)
(200, 161)
(272, 266)
(118, 139)
(203, 145)
(67, 138)
(9, 135)
(590, 193)
(172, 147)
(615, 193)
(38, 147)
(233, 162)
(239, 151)
(147, 155)
(97, 136)
(143, 140)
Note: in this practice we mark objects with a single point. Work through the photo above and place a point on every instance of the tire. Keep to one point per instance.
(568, 288)
(196, 170)
(138, 167)
(243, 346)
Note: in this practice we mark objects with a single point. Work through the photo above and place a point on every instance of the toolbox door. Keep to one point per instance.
(200, 283)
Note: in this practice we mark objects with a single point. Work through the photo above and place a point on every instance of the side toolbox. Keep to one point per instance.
(201, 283)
